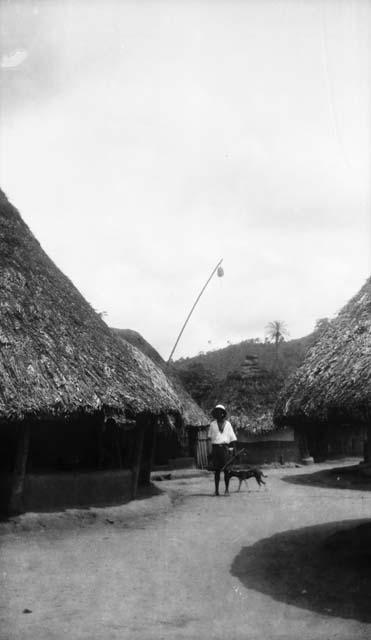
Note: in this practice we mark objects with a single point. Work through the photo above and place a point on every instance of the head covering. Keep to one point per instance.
(217, 408)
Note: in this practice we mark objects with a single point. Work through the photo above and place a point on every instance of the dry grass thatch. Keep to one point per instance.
(57, 356)
(191, 413)
(255, 423)
(249, 393)
(334, 382)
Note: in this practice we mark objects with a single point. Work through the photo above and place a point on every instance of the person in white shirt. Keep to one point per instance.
(221, 436)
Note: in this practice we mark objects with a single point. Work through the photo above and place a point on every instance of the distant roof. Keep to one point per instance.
(334, 381)
(249, 394)
(57, 356)
(192, 413)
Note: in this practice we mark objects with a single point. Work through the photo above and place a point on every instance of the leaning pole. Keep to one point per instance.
(219, 269)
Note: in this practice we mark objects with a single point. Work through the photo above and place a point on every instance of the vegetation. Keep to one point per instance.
(246, 376)
(198, 380)
(220, 362)
(276, 332)
(250, 397)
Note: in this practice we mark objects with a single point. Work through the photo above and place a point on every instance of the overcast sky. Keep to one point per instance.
(144, 141)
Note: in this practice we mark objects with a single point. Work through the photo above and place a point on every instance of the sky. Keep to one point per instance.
(144, 141)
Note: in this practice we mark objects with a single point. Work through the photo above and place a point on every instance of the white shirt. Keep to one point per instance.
(217, 437)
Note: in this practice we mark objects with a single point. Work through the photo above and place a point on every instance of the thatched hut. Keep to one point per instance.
(189, 439)
(250, 393)
(329, 397)
(73, 397)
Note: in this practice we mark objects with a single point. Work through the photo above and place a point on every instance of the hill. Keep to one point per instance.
(250, 394)
(246, 376)
(220, 362)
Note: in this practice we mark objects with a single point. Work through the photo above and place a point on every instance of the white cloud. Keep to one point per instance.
(13, 59)
(154, 140)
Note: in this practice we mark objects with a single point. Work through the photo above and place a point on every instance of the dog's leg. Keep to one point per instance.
(239, 486)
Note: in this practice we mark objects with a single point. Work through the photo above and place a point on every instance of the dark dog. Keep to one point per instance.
(243, 475)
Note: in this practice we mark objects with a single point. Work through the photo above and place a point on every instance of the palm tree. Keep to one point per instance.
(276, 331)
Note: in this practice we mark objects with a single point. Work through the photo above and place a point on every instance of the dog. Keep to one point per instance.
(243, 475)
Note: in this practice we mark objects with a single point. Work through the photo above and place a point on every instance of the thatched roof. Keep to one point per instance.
(192, 414)
(249, 394)
(57, 356)
(334, 382)
(134, 338)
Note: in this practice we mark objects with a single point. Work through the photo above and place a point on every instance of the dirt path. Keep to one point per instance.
(251, 566)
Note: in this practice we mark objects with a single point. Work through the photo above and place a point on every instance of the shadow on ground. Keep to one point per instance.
(350, 477)
(143, 493)
(148, 491)
(326, 568)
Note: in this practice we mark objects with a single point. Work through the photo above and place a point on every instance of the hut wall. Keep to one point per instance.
(5, 491)
(80, 445)
(367, 445)
(167, 447)
(8, 447)
(202, 458)
(150, 445)
(198, 446)
(334, 441)
(73, 445)
(55, 491)
(285, 447)
(70, 464)
(284, 435)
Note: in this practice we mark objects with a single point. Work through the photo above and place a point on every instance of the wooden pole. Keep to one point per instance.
(138, 457)
(118, 445)
(154, 444)
(367, 448)
(101, 428)
(303, 446)
(16, 495)
(193, 308)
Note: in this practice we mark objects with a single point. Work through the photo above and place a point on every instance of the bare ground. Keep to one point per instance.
(260, 564)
